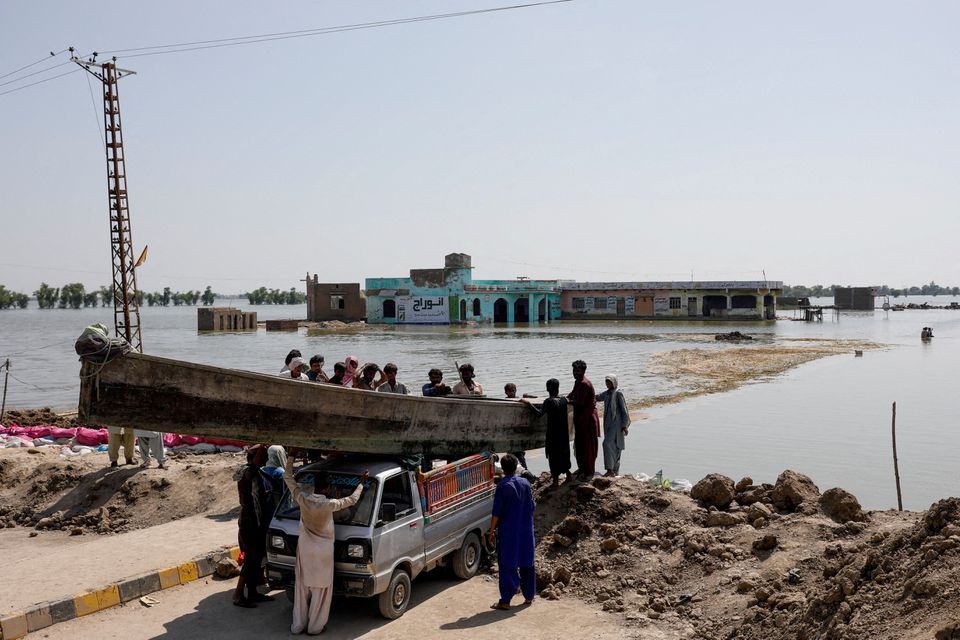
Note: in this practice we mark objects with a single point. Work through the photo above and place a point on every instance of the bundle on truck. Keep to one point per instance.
(405, 522)
(161, 394)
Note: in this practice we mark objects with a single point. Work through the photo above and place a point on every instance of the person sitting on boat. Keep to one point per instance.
(295, 370)
(338, 370)
(436, 388)
(316, 374)
(366, 380)
(391, 385)
(467, 385)
(294, 353)
(352, 366)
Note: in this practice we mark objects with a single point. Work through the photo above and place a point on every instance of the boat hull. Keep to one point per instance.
(160, 394)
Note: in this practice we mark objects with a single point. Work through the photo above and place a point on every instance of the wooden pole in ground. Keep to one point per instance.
(896, 468)
(6, 377)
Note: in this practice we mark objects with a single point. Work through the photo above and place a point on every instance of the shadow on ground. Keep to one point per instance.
(216, 617)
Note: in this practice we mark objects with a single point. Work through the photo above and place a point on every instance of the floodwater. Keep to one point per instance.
(829, 418)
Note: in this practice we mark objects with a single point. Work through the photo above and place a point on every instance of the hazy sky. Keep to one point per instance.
(598, 139)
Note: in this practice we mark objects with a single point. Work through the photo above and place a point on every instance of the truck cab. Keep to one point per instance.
(405, 522)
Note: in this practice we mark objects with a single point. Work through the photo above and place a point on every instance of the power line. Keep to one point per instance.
(303, 33)
(35, 73)
(27, 66)
(27, 86)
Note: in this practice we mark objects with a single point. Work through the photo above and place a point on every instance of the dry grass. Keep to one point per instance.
(703, 371)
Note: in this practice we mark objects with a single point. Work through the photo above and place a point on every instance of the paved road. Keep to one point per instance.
(55, 564)
(441, 608)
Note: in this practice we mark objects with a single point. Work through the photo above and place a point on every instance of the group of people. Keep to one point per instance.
(586, 425)
(370, 377)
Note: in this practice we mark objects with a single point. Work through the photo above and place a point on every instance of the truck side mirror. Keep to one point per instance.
(388, 511)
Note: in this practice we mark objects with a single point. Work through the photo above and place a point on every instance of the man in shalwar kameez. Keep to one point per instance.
(513, 507)
(586, 422)
(314, 573)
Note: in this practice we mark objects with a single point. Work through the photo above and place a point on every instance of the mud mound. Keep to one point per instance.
(753, 570)
(47, 492)
(44, 416)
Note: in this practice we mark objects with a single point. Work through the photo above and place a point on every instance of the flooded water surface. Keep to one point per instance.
(795, 397)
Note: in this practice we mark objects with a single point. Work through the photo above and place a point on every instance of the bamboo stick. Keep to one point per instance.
(896, 467)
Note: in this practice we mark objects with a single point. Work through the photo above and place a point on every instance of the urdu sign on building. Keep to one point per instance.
(423, 310)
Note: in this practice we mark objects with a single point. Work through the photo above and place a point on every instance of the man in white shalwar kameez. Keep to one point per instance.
(314, 575)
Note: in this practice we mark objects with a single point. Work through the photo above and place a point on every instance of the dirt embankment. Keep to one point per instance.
(751, 562)
(700, 371)
(40, 489)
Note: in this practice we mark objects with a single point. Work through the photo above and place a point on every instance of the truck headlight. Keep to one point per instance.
(277, 542)
(355, 550)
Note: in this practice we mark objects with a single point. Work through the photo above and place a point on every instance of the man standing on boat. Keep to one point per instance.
(513, 506)
(586, 422)
(467, 385)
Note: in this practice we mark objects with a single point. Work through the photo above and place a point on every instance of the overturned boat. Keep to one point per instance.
(161, 394)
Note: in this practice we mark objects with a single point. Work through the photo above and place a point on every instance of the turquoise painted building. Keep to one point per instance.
(450, 295)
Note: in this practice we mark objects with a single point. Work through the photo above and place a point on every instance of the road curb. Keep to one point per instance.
(44, 614)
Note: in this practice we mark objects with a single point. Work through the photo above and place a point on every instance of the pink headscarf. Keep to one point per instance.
(352, 365)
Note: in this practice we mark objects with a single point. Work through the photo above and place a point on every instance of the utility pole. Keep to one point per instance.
(126, 306)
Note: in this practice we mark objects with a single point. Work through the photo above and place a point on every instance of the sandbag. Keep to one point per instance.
(96, 345)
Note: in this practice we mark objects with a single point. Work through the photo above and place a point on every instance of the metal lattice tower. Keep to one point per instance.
(126, 306)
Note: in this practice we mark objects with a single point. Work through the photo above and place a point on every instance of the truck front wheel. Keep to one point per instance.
(466, 559)
(395, 600)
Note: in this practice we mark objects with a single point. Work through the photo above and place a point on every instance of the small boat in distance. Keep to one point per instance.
(161, 394)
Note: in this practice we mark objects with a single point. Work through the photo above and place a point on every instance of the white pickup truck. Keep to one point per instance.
(405, 522)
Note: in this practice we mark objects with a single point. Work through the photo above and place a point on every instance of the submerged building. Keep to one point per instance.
(451, 295)
(741, 300)
(342, 301)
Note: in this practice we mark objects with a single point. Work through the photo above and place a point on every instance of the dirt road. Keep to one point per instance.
(441, 608)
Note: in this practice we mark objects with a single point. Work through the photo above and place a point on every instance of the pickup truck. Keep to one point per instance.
(405, 522)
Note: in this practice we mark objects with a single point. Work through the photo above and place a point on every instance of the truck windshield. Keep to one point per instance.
(341, 486)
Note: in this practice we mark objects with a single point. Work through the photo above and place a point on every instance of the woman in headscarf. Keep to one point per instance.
(352, 368)
(616, 424)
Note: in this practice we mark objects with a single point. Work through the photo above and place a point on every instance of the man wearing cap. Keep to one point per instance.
(295, 370)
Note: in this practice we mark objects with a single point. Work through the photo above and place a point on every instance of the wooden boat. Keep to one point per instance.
(161, 394)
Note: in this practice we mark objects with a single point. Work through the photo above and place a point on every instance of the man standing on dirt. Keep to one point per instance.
(254, 519)
(313, 588)
(513, 507)
(116, 435)
(586, 422)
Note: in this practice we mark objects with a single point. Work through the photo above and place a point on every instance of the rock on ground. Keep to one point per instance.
(841, 505)
(715, 490)
(792, 489)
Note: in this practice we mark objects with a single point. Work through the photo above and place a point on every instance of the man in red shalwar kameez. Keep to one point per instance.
(586, 422)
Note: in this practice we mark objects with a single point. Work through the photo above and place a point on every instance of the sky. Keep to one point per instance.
(591, 140)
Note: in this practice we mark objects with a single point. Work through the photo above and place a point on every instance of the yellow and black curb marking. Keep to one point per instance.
(20, 623)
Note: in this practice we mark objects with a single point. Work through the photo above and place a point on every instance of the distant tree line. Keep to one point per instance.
(12, 299)
(820, 291)
(74, 295)
(276, 296)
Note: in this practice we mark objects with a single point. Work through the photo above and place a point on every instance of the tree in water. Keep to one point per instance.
(47, 296)
(106, 296)
(90, 299)
(208, 296)
(71, 295)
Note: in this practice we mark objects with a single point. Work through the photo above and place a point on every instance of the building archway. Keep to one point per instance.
(463, 311)
(714, 302)
(500, 310)
(542, 311)
(476, 307)
(521, 310)
(389, 309)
